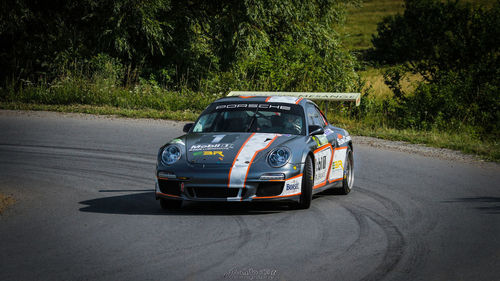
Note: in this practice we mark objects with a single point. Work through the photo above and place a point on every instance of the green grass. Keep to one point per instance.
(374, 81)
(361, 25)
(362, 21)
(487, 149)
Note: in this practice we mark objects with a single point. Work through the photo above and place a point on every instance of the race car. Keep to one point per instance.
(256, 147)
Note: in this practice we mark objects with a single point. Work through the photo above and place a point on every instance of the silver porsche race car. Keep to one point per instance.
(255, 148)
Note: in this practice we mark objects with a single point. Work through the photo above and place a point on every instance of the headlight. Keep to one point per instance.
(279, 157)
(170, 154)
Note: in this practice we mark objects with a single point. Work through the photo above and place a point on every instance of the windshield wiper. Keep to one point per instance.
(253, 119)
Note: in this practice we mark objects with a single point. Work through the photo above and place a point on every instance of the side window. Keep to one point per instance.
(323, 118)
(206, 121)
(314, 117)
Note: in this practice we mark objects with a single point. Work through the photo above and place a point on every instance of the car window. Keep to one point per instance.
(260, 118)
(314, 116)
(204, 123)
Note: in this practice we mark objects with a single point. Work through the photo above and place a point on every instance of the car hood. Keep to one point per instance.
(222, 148)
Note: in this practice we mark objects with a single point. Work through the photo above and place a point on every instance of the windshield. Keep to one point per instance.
(252, 117)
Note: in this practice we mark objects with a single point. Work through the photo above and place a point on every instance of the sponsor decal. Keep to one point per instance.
(253, 106)
(316, 140)
(328, 132)
(208, 153)
(342, 139)
(322, 165)
(337, 169)
(211, 146)
(179, 141)
(320, 140)
(292, 186)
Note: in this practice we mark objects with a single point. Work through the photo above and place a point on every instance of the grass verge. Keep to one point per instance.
(486, 149)
(184, 115)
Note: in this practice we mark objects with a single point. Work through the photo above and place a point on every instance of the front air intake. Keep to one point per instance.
(269, 189)
(213, 192)
(171, 187)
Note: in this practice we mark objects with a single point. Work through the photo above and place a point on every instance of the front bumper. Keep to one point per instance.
(201, 186)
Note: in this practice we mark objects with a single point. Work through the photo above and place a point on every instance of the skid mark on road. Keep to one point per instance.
(243, 238)
(72, 148)
(395, 240)
(77, 153)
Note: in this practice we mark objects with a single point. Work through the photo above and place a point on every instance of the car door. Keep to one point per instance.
(325, 144)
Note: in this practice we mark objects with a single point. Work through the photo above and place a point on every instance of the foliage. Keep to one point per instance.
(197, 45)
(455, 48)
(432, 36)
(70, 90)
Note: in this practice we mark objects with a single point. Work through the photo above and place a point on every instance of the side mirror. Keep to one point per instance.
(187, 127)
(315, 130)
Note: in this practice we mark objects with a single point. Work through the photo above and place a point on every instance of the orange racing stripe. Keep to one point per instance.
(169, 195)
(255, 154)
(277, 196)
(236, 157)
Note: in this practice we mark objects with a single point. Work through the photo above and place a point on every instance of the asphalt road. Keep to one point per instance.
(86, 211)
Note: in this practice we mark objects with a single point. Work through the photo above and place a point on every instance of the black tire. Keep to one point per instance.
(307, 184)
(348, 179)
(167, 204)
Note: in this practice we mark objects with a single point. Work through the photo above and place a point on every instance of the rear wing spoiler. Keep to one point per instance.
(356, 97)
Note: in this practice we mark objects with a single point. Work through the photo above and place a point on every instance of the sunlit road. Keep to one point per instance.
(85, 210)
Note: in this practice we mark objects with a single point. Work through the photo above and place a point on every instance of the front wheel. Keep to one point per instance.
(348, 179)
(307, 184)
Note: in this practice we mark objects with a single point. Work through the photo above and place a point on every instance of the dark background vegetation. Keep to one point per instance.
(455, 48)
(197, 45)
(181, 55)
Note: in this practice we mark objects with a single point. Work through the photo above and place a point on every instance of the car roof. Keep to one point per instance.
(261, 99)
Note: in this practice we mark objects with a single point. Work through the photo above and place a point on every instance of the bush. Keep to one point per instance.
(455, 48)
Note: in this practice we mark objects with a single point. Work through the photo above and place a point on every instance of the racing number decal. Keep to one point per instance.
(323, 158)
(337, 169)
(217, 138)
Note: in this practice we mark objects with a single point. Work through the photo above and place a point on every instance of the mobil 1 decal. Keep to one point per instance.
(214, 142)
(323, 158)
(337, 169)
